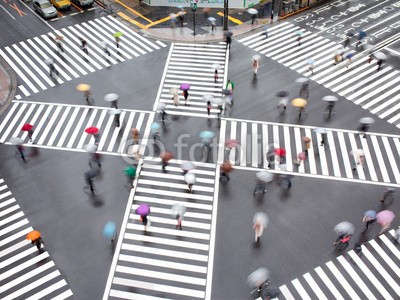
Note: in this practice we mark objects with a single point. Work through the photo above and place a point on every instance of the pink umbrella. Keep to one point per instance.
(185, 86)
(385, 217)
(301, 156)
(231, 143)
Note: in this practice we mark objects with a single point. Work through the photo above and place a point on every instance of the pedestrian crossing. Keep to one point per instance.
(193, 64)
(361, 83)
(165, 263)
(372, 275)
(382, 151)
(63, 126)
(25, 273)
(27, 58)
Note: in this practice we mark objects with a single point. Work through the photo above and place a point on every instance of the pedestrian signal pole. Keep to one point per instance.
(193, 6)
(226, 7)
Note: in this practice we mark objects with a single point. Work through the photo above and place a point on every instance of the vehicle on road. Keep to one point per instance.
(61, 4)
(83, 3)
(44, 8)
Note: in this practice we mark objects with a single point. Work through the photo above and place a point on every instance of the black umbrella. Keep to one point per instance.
(228, 34)
(226, 92)
(282, 94)
(270, 291)
(350, 34)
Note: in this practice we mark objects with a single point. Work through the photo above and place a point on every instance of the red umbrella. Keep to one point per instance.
(231, 143)
(280, 151)
(226, 167)
(166, 156)
(92, 130)
(27, 127)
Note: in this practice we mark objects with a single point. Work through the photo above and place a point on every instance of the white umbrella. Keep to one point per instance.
(311, 61)
(16, 141)
(299, 32)
(215, 66)
(252, 11)
(265, 176)
(173, 91)
(261, 218)
(330, 98)
(255, 57)
(49, 61)
(178, 209)
(320, 130)
(134, 149)
(161, 106)
(258, 277)
(357, 152)
(111, 97)
(212, 19)
(282, 167)
(187, 166)
(217, 101)
(367, 120)
(344, 228)
(302, 80)
(115, 111)
(380, 55)
(190, 178)
(208, 97)
(91, 148)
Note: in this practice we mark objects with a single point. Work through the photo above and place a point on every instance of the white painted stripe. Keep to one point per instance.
(13, 227)
(8, 116)
(353, 274)
(173, 232)
(347, 287)
(314, 286)
(171, 202)
(178, 177)
(311, 156)
(78, 128)
(24, 265)
(90, 123)
(345, 155)
(126, 132)
(161, 43)
(10, 209)
(390, 245)
(104, 135)
(68, 127)
(48, 290)
(302, 292)
(383, 97)
(5, 195)
(286, 293)
(132, 296)
(15, 236)
(390, 156)
(243, 143)
(371, 277)
(49, 125)
(391, 110)
(287, 138)
(11, 218)
(368, 158)
(7, 202)
(64, 295)
(354, 147)
(379, 156)
(265, 145)
(167, 212)
(385, 257)
(13, 122)
(299, 148)
(322, 156)
(254, 145)
(43, 120)
(115, 135)
(24, 119)
(156, 166)
(349, 75)
(172, 222)
(334, 158)
(14, 247)
(174, 185)
(328, 283)
(60, 124)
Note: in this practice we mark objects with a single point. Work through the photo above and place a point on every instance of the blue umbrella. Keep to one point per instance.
(371, 214)
(109, 230)
(155, 126)
(205, 134)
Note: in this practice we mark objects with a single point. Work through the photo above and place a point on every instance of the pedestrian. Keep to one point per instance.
(360, 37)
(266, 33)
(260, 222)
(116, 120)
(30, 135)
(358, 249)
(230, 85)
(304, 90)
(21, 150)
(165, 158)
(253, 19)
(135, 135)
(301, 110)
(306, 144)
(379, 64)
(346, 42)
(179, 222)
(163, 114)
(114, 104)
(255, 66)
(86, 95)
(96, 137)
(96, 158)
(89, 177)
(186, 96)
(337, 58)
(117, 39)
(209, 107)
(270, 157)
(52, 69)
(285, 181)
(311, 63)
(299, 35)
(175, 99)
(213, 24)
(220, 109)
(323, 139)
(190, 179)
(368, 218)
(387, 192)
(181, 18)
(59, 44)
(84, 45)
(359, 159)
(144, 221)
(329, 108)
(38, 243)
(215, 75)
(105, 48)
(363, 128)
(130, 172)
(228, 41)
(225, 169)
(348, 59)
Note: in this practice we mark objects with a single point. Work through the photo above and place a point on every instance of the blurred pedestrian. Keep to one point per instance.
(21, 152)
(209, 107)
(299, 36)
(52, 68)
(349, 56)
(270, 157)
(175, 99)
(228, 41)
(38, 243)
(347, 41)
(387, 192)
(95, 158)
(84, 46)
(116, 120)
(87, 95)
(144, 221)
(190, 179)
(303, 92)
(358, 249)
(117, 40)
(105, 48)
(178, 211)
(110, 231)
(260, 222)
(306, 144)
(359, 159)
(225, 169)
(213, 25)
(181, 18)
(96, 137)
(58, 41)
(215, 75)
(186, 95)
(254, 19)
(114, 104)
(135, 135)
(165, 158)
(89, 177)
(30, 134)
(130, 172)
(379, 64)
(363, 128)
(220, 108)
(255, 65)
(230, 85)
(329, 108)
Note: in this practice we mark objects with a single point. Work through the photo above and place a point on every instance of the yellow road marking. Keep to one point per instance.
(125, 17)
(134, 11)
(60, 14)
(77, 7)
(234, 20)
(161, 21)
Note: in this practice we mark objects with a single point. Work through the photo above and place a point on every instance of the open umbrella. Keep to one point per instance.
(206, 10)
(311, 61)
(59, 38)
(134, 149)
(109, 230)
(187, 166)
(143, 209)
(385, 216)
(226, 167)
(252, 11)
(217, 101)
(206, 134)
(83, 87)
(130, 171)
(91, 148)
(231, 143)
(299, 102)
(258, 277)
(173, 91)
(280, 151)
(367, 120)
(115, 111)
(261, 218)
(370, 214)
(211, 19)
(302, 80)
(272, 292)
(357, 152)
(16, 141)
(282, 94)
(380, 55)
(265, 176)
(92, 130)
(320, 130)
(33, 235)
(226, 92)
(118, 34)
(155, 126)
(208, 97)
(350, 34)
(111, 97)
(166, 156)
(185, 87)
(49, 61)
(215, 66)
(178, 209)
(330, 98)
(256, 57)
(306, 139)
(344, 228)
(299, 32)
(190, 178)
(228, 34)
(26, 127)
(161, 106)
(282, 167)
(301, 156)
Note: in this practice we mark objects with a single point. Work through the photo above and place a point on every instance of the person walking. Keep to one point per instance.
(165, 158)
(228, 41)
(260, 222)
(220, 108)
(130, 172)
(255, 65)
(117, 40)
(30, 135)
(209, 107)
(379, 64)
(387, 192)
(95, 158)
(213, 25)
(38, 243)
(359, 159)
(254, 19)
(21, 151)
(175, 99)
(186, 95)
(215, 75)
(306, 144)
(144, 221)
(114, 104)
(230, 86)
(86, 95)
(105, 48)
(58, 42)
(363, 128)
(299, 36)
(329, 108)
(270, 157)
(190, 179)
(135, 135)
(84, 45)
(346, 42)
(225, 169)
(52, 68)
(89, 177)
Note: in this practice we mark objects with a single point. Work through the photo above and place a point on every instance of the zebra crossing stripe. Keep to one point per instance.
(386, 258)
(314, 286)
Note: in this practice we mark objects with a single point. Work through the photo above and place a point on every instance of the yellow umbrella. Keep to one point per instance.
(33, 235)
(299, 102)
(83, 87)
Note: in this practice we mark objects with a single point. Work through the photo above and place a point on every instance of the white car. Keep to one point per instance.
(83, 2)
(45, 8)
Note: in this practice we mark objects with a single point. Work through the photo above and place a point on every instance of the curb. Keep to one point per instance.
(12, 88)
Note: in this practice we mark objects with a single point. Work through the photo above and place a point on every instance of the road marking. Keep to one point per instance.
(133, 11)
(234, 20)
(7, 12)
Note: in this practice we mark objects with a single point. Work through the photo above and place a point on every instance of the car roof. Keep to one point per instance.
(42, 1)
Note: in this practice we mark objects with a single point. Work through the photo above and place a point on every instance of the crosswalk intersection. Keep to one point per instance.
(63, 126)
(25, 274)
(373, 275)
(361, 83)
(27, 58)
(382, 152)
(165, 262)
(192, 64)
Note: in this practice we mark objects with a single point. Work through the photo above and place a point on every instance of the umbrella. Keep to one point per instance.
(320, 130)
(27, 127)
(161, 107)
(173, 91)
(344, 228)
(206, 10)
(217, 101)
(115, 111)
(371, 214)
(143, 209)
(330, 98)
(187, 166)
(134, 149)
(299, 32)
(91, 148)
(272, 292)
(258, 277)
(130, 171)
(226, 92)
(172, 16)
(265, 176)
(349, 55)
(91, 174)
(350, 34)
(367, 120)
(280, 151)
(262, 218)
(155, 126)
(185, 86)
(166, 156)
(92, 130)
(109, 230)
(380, 55)
(215, 66)
(231, 143)
(208, 97)
(282, 94)
(59, 38)
(252, 11)
(206, 134)
(384, 217)
(362, 34)
(212, 19)
(282, 167)
(357, 152)
(33, 235)
(118, 34)
(256, 57)
(228, 34)
(311, 61)
(299, 102)
(302, 80)
(306, 139)
(190, 178)
(226, 167)
(111, 97)
(103, 44)
(49, 61)
(177, 209)
(301, 156)
(83, 87)
(16, 141)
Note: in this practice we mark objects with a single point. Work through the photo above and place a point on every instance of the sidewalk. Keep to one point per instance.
(8, 84)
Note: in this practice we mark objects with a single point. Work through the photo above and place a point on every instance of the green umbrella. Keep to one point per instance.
(130, 171)
(118, 34)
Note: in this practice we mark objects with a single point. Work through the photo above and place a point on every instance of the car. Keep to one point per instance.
(83, 2)
(61, 4)
(45, 8)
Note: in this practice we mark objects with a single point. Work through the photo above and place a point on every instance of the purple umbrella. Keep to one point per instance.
(384, 217)
(185, 87)
(143, 209)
